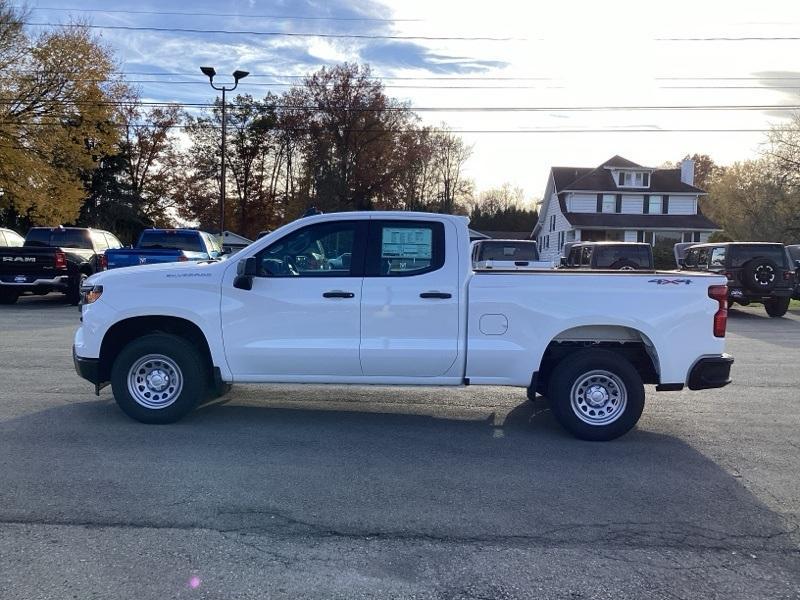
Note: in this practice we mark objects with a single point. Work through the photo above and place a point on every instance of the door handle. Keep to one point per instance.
(442, 295)
(338, 294)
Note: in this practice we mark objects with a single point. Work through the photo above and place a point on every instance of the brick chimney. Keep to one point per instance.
(687, 171)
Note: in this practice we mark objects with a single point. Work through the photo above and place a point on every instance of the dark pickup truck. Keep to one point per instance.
(165, 246)
(53, 259)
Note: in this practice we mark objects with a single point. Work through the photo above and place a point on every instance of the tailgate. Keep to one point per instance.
(20, 265)
(131, 258)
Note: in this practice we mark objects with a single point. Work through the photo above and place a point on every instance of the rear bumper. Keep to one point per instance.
(32, 284)
(711, 372)
(736, 293)
(88, 368)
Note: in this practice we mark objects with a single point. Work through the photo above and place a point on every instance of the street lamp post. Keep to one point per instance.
(237, 75)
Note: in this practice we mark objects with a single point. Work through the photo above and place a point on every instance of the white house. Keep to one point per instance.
(620, 201)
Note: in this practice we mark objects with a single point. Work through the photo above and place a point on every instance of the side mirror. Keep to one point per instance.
(245, 271)
(797, 264)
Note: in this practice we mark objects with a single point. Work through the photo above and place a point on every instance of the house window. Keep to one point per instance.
(633, 179)
(646, 205)
(655, 204)
(665, 206)
(645, 179)
(552, 223)
(609, 203)
(622, 179)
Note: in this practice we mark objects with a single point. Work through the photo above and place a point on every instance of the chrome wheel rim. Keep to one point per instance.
(155, 381)
(626, 268)
(598, 397)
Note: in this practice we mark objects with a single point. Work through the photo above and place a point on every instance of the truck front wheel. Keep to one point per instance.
(596, 395)
(158, 378)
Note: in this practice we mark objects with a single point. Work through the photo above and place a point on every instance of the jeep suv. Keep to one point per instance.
(757, 272)
(614, 256)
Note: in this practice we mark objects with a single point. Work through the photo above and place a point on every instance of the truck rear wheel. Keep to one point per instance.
(596, 395)
(159, 378)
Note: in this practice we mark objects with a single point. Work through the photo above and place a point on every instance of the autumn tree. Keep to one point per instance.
(502, 209)
(56, 120)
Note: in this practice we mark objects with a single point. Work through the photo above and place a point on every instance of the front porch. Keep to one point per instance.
(651, 236)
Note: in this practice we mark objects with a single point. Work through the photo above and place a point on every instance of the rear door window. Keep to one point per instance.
(404, 248)
(70, 238)
(112, 241)
(99, 240)
(586, 256)
(610, 257)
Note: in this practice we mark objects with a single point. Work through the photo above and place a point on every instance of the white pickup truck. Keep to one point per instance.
(391, 298)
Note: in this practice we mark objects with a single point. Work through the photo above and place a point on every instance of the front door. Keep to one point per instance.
(410, 299)
(301, 318)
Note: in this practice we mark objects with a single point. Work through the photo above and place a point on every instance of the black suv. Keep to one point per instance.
(53, 259)
(615, 256)
(757, 272)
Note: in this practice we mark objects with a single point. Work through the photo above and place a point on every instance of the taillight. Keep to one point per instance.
(720, 294)
(787, 275)
(103, 262)
(60, 260)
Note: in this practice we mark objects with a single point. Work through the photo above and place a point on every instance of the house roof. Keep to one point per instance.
(626, 221)
(662, 181)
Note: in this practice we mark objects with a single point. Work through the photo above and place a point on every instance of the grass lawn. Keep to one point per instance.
(794, 304)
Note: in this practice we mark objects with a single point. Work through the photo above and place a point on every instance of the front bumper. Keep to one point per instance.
(711, 372)
(88, 368)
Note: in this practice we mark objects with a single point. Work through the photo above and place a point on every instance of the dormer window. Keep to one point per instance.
(639, 179)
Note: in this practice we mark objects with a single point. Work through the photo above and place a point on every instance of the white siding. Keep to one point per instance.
(583, 203)
(682, 205)
(632, 205)
(554, 251)
(631, 236)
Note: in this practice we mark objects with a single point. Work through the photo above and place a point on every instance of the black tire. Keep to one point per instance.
(760, 274)
(777, 307)
(74, 289)
(610, 368)
(8, 296)
(192, 370)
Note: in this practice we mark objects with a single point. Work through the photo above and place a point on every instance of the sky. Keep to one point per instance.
(474, 65)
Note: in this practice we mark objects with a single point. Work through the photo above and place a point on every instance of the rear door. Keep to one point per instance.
(410, 299)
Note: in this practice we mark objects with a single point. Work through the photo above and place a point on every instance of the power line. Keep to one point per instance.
(364, 36)
(747, 38)
(498, 109)
(216, 14)
(479, 131)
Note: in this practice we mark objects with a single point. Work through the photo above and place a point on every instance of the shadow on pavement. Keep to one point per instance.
(290, 471)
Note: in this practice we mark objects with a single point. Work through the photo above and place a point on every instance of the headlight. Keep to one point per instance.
(91, 293)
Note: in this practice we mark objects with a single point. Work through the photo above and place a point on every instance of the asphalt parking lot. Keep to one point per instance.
(340, 492)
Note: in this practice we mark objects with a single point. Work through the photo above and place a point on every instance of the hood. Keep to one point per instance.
(176, 270)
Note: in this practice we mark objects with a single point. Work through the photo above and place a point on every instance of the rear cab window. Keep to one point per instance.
(63, 238)
(507, 251)
(188, 241)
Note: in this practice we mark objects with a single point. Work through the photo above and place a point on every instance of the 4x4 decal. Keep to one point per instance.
(670, 281)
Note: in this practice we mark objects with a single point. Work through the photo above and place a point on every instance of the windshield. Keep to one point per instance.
(503, 250)
(794, 252)
(172, 240)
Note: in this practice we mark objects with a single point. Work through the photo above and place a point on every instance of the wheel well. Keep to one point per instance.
(633, 345)
(121, 334)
